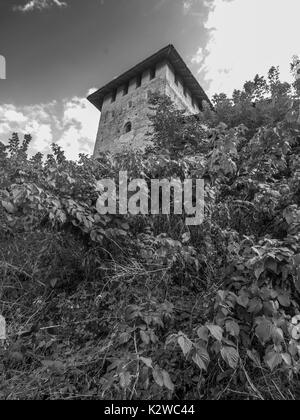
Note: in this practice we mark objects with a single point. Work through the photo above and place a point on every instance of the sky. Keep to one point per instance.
(58, 51)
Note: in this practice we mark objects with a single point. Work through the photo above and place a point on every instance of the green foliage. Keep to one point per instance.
(141, 306)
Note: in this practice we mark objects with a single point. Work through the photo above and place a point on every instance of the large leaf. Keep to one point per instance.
(10, 208)
(264, 331)
(147, 361)
(201, 358)
(284, 299)
(277, 335)
(232, 328)
(158, 376)
(167, 381)
(243, 300)
(254, 356)
(273, 359)
(216, 331)
(202, 333)
(287, 359)
(255, 306)
(125, 379)
(230, 356)
(185, 344)
(145, 337)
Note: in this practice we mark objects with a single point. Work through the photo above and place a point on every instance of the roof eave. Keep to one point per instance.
(169, 53)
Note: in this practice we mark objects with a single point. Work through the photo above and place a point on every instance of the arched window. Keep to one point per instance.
(128, 127)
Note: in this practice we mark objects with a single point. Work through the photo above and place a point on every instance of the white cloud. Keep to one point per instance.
(72, 124)
(39, 5)
(80, 122)
(248, 37)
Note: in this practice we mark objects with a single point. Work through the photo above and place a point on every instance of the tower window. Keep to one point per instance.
(152, 73)
(128, 127)
(139, 81)
(126, 88)
(114, 96)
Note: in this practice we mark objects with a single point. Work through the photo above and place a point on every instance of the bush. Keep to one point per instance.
(137, 307)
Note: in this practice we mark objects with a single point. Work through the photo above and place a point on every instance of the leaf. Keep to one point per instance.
(201, 358)
(258, 271)
(146, 361)
(271, 265)
(232, 328)
(230, 356)
(185, 344)
(254, 356)
(145, 337)
(273, 359)
(124, 338)
(264, 331)
(270, 308)
(10, 208)
(255, 306)
(287, 359)
(202, 333)
(284, 300)
(53, 283)
(277, 335)
(216, 331)
(158, 376)
(125, 226)
(243, 300)
(167, 381)
(125, 379)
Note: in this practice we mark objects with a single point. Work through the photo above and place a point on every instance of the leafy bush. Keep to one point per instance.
(140, 307)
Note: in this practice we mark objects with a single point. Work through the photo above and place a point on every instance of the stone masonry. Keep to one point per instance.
(124, 121)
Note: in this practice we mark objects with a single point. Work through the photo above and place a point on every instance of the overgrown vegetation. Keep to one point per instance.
(142, 307)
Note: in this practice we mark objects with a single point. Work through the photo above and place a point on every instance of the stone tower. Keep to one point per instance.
(124, 101)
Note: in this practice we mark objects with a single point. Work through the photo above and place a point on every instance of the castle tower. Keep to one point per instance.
(124, 101)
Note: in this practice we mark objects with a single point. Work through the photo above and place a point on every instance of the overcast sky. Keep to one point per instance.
(58, 50)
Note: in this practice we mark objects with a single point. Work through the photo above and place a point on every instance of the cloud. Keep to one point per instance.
(248, 37)
(80, 122)
(71, 123)
(32, 5)
(197, 7)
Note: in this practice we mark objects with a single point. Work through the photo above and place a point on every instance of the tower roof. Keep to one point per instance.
(168, 53)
